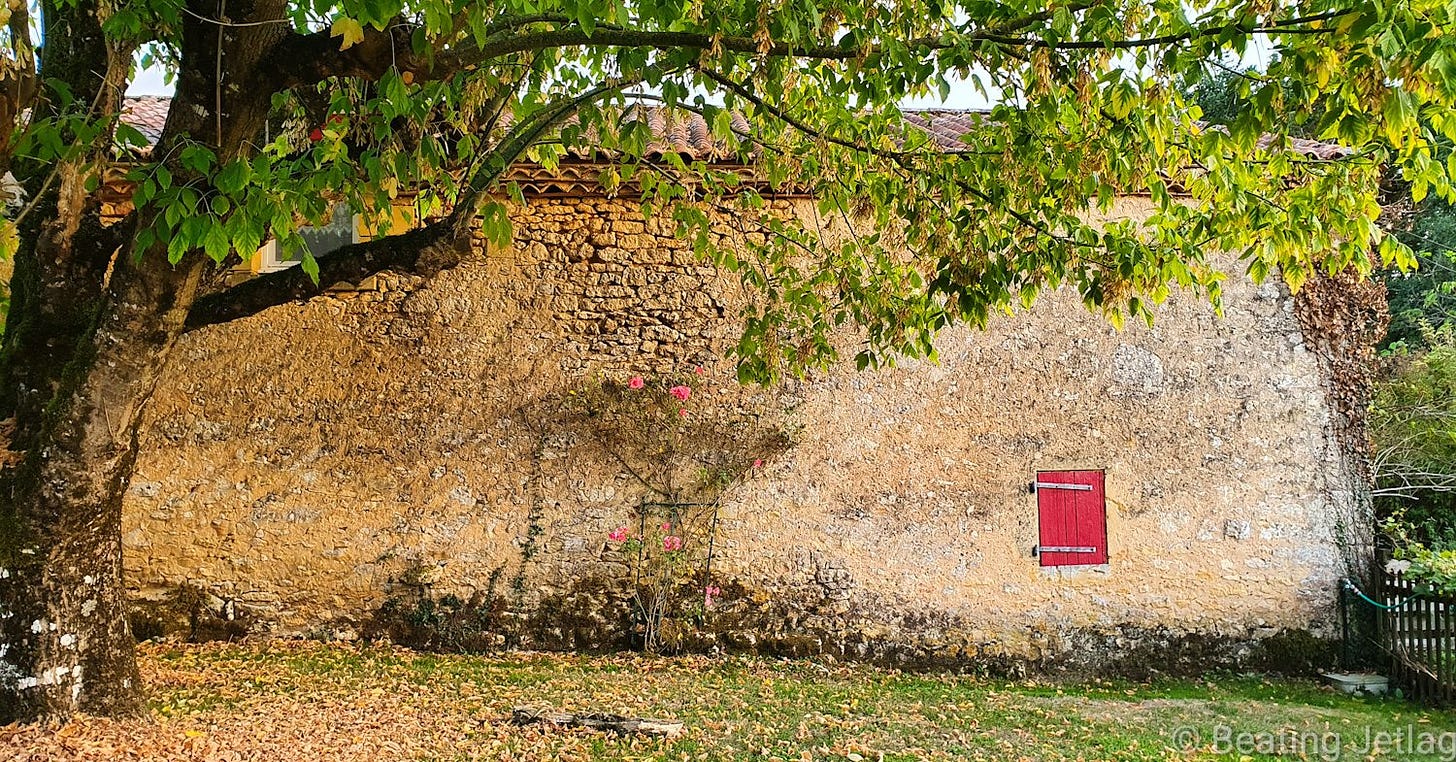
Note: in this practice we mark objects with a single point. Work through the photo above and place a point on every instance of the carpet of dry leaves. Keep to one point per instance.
(310, 701)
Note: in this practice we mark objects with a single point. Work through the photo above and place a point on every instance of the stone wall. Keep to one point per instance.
(420, 440)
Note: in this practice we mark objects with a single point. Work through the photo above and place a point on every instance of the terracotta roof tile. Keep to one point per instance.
(946, 126)
(1312, 149)
(685, 133)
(147, 113)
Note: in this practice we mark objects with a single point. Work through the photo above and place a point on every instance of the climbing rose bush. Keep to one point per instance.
(685, 452)
(662, 567)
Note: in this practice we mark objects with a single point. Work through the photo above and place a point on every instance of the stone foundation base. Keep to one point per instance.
(586, 619)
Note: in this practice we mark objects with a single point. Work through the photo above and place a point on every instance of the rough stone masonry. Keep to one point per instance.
(312, 466)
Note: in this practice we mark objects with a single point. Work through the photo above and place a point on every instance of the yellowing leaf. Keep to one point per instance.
(9, 240)
(349, 29)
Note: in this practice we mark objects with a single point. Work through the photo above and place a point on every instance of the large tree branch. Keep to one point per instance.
(439, 245)
(308, 59)
(405, 252)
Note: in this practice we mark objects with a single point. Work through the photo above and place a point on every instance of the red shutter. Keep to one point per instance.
(1073, 517)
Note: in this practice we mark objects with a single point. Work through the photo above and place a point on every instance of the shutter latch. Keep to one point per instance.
(1057, 485)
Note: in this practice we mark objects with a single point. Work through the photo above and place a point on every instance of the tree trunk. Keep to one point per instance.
(65, 645)
(90, 329)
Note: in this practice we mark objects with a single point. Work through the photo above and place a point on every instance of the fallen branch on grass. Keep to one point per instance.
(616, 723)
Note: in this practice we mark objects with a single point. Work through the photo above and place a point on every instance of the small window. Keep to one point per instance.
(1072, 512)
(341, 230)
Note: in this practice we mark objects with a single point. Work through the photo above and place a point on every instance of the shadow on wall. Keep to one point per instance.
(193, 614)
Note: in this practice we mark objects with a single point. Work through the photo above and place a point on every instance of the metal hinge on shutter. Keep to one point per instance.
(1039, 549)
(1057, 485)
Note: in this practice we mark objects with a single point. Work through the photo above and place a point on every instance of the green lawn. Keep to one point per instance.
(310, 701)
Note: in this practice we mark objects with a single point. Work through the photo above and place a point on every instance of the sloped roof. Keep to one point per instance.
(686, 133)
(947, 126)
(1313, 149)
(148, 114)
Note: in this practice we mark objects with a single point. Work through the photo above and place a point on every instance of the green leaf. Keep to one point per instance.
(234, 177)
(1399, 112)
(215, 243)
(128, 135)
(198, 158)
(310, 266)
(349, 31)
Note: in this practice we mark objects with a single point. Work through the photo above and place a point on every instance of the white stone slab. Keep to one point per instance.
(1358, 682)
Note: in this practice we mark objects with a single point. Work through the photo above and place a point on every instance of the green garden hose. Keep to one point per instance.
(1351, 586)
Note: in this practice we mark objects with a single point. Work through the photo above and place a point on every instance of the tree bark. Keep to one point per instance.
(92, 324)
(64, 641)
(90, 330)
(62, 624)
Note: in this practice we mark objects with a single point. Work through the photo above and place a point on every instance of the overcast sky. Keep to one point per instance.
(149, 82)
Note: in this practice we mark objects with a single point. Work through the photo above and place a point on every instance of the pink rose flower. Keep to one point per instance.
(666, 526)
(636, 383)
(699, 370)
(681, 392)
(682, 412)
(758, 462)
(672, 542)
(709, 593)
(617, 535)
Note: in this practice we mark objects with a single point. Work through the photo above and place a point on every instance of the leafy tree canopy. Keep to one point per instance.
(1413, 425)
(1223, 92)
(1423, 302)
(420, 94)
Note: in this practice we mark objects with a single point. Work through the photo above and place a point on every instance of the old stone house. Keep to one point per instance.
(450, 459)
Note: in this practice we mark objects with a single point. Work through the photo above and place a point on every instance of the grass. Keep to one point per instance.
(310, 701)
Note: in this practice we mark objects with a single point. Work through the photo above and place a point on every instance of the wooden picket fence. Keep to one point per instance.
(1418, 634)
